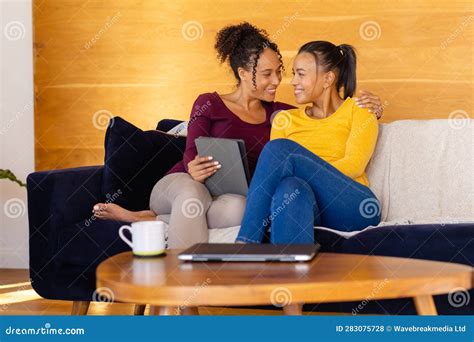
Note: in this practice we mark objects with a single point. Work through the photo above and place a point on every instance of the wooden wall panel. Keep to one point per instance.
(134, 58)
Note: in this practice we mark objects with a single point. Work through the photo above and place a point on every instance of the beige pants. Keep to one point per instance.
(192, 210)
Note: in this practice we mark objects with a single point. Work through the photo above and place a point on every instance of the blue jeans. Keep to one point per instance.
(293, 189)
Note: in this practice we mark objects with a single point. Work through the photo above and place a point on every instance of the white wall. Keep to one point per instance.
(16, 128)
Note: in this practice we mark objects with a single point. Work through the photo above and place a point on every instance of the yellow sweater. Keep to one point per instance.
(346, 139)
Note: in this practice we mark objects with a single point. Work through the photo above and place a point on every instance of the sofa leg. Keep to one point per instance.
(79, 308)
(139, 310)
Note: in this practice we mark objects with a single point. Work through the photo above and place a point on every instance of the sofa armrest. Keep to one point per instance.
(57, 198)
(167, 124)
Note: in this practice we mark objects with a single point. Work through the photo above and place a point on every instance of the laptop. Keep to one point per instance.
(249, 252)
(233, 177)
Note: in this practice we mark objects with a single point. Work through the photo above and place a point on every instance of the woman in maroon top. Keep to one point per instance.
(243, 114)
(211, 117)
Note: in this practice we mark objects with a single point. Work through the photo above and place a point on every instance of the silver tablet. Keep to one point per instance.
(233, 176)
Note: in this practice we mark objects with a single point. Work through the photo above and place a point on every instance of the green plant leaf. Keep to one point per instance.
(7, 174)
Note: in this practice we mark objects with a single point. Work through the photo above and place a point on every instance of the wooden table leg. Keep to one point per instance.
(425, 305)
(80, 307)
(293, 309)
(139, 309)
(190, 310)
(155, 310)
(164, 310)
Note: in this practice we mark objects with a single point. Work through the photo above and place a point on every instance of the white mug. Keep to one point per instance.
(148, 237)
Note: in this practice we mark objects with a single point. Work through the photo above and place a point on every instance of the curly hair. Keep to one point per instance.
(241, 46)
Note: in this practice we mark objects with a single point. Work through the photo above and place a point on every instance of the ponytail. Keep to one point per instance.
(347, 70)
(340, 58)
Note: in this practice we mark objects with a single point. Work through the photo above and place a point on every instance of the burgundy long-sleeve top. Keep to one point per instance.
(210, 117)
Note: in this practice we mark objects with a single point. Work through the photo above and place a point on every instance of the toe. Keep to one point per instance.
(100, 214)
(102, 206)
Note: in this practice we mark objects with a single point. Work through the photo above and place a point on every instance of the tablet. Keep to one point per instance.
(233, 176)
(249, 252)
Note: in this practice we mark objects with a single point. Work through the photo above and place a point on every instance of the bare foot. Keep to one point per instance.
(110, 211)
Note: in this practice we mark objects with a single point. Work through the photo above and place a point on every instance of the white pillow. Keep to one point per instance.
(180, 129)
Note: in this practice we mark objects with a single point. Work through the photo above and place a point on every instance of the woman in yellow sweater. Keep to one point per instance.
(312, 172)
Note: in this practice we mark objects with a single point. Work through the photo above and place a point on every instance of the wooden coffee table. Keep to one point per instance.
(176, 287)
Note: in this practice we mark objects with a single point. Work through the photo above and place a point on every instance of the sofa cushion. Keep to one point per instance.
(135, 160)
(180, 129)
(422, 170)
(440, 242)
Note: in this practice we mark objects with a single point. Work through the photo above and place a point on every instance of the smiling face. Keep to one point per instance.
(268, 74)
(309, 79)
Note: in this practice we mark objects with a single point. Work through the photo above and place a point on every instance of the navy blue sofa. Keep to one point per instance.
(66, 244)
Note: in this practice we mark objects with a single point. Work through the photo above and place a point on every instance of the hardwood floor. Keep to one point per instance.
(18, 298)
